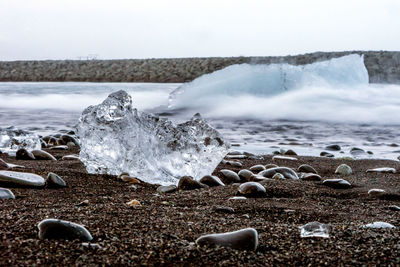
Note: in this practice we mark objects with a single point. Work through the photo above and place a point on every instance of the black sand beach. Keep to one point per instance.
(163, 229)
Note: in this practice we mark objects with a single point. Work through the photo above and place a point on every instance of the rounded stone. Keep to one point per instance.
(278, 157)
(310, 177)
(337, 183)
(53, 180)
(165, 189)
(23, 154)
(290, 152)
(211, 181)
(306, 168)
(21, 178)
(245, 174)
(383, 170)
(343, 169)
(59, 147)
(376, 192)
(252, 189)
(3, 165)
(43, 155)
(326, 154)
(270, 166)
(257, 168)
(245, 239)
(230, 176)
(188, 183)
(70, 157)
(6, 194)
(286, 172)
(59, 229)
(333, 147)
(278, 176)
(224, 209)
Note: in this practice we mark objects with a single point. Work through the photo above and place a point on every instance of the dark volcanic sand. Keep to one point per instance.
(160, 231)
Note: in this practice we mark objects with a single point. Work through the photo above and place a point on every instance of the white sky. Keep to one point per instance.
(67, 29)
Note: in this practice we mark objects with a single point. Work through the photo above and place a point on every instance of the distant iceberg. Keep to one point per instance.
(116, 138)
(269, 80)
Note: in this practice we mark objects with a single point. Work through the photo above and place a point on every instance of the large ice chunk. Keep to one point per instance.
(115, 138)
(266, 80)
(11, 139)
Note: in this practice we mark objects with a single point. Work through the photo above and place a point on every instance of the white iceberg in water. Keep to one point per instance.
(116, 138)
(266, 80)
(12, 139)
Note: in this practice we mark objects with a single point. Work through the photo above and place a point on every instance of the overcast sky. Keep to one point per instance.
(68, 29)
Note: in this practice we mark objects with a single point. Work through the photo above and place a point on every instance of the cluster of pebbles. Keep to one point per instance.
(256, 182)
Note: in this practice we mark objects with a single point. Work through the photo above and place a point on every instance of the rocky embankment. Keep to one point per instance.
(383, 67)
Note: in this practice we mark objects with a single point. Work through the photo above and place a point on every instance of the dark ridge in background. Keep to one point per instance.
(383, 67)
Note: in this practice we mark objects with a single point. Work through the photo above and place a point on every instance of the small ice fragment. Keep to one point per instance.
(314, 229)
(12, 139)
(379, 225)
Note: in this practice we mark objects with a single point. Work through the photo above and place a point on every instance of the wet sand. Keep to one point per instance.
(162, 230)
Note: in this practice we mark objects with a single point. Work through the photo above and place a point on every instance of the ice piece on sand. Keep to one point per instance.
(12, 139)
(116, 138)
(314, 229)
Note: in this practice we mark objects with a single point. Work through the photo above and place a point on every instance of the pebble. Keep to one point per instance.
(286, 172)
(84, 203)
(394, 207)
(54, 180)
(269, 166)
(69, 139)
(306, 168)
(337, 183)
(245, 239)
(230, 176)
(278, 157)
(326, 154)
(237, 198)
(355, 151)
(290, 152)
(70, 157)
(343, 169)
(380, 225)
(233, 163)
(3, 165)
(6, 194)
(211, 181)
(129, 179)
(23, 154)
(235, 156)
(258, 178)
(59, 229)
(133, 202)
(252, 189)
(257, 168)
(333, 148)
(188, 183)
(224, 209)
(167, 189)
(22, 178)
(383, 170)
(278, 176)
(43, 155)
(376, 192)
(59, 147)
(245, 174)
(310, 177)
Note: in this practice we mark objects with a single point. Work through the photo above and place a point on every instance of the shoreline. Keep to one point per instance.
(161, 231)
(382, 66)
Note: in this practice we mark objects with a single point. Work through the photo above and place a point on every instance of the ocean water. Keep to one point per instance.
(259, 109)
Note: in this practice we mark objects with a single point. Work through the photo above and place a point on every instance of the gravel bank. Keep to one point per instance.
(383, 67)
